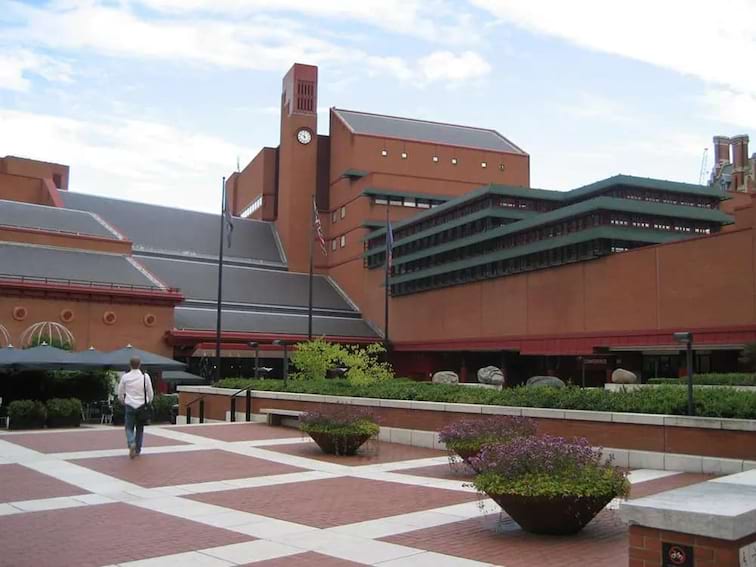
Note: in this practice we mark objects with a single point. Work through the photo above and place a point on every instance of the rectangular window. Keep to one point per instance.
(249, 211)
(396, 201)
(333, 244)
(334, 216)
(343, 240)
(423, 204)
(343, 212)
(381, 201)
(409, 202)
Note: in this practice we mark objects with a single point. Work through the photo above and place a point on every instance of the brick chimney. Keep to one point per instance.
(739, 161)
(721, 153)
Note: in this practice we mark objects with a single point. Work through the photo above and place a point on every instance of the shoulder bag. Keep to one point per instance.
(144, 412)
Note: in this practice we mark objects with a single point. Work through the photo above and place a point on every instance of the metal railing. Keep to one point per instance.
(247, 406)
(13, 278)
(188, 408)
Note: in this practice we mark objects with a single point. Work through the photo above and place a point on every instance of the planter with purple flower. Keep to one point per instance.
(339, 431)
(466, 437)
(548, 485)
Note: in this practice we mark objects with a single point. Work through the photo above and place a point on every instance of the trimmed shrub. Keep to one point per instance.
(63, 412)
(344, 420)
(27, 414)
(162, 406)
(731, 379)
(710, 402)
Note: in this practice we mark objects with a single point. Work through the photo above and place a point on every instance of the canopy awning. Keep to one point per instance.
(45, 357)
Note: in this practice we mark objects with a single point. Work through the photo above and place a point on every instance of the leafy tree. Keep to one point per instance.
(313, 358)
(364, 365)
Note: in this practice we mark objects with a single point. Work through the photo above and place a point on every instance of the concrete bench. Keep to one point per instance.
(276, 416)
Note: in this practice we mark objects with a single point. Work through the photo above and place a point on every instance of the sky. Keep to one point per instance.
(156, 100)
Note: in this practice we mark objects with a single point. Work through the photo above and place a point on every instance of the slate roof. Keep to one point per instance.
(178, 231)
(199, 280)
(425, 131)
(27, 215)
(42, 262)
(190, 318)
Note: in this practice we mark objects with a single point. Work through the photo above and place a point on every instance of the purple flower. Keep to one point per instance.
(494, 428)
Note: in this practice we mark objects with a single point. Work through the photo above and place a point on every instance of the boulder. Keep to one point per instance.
(622, 376)
(445, 377)
(550, 381)
(491, 375)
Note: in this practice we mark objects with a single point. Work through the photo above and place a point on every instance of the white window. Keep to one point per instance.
(409, 202)
(435, 159)
(454, 161)
(384, 153)
(404, 155)
(423, 204)
(381, 201)
(483, 164)
(343, 240)
(253, 206)
(334, 244)
(334, 216)
(396, 201)
(343, 212)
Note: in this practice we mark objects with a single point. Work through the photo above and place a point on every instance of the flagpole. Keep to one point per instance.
(220, 283)
(312, 238)
(386, 285)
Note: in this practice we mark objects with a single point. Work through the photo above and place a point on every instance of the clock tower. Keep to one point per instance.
(298, 162)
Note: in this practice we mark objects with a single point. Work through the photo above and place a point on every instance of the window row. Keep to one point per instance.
(253, 206)
(337, 214)
(341, 240)
(437, 159)
(416, 202)
(665, 197)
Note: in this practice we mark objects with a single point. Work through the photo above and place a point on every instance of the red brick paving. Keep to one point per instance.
(101, 535)
(451, 471)
(83, 440)
(309, 559)
(240, 432)
(20, 483)
(370, 453)
(497, 539)
(336, 501)
(667, 483)
(168, 469)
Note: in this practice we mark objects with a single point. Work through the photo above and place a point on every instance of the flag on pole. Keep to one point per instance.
(389, 246)
(319, 228)
(229, 223)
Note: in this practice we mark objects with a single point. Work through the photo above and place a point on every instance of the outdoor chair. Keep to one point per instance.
(106, 413)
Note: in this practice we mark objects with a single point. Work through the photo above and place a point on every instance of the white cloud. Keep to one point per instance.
(130, 159)
(17, 65)
(731, 107)
(257, 41)
(446, 66)
(712, 41)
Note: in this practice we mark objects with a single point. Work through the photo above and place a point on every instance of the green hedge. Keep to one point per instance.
(63, 412)
(161, 409)
(43, 385)
(27, 414)
(710, 402)
(732, 379)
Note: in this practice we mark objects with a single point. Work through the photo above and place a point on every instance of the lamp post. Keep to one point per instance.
(285, 345)
(256, 346)
(686, 338)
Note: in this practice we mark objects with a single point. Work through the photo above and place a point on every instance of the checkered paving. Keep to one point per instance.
(250, 494)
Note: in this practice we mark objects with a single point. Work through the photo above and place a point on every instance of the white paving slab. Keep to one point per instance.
(252, 551)
(644, 475)
(190, 559)
(431, 559)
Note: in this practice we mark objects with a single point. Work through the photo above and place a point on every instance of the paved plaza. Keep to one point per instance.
(217, 495)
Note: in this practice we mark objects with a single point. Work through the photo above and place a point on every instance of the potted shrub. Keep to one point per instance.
(548, 485)
(62, 412)
(466, 437)
(26, 414)
(119, 413)
(339, 431)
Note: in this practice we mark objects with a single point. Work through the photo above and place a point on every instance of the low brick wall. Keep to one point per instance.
(701, 437)
(647, 549)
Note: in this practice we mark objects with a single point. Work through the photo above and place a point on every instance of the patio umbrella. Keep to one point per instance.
(42, 357)
(119, 359)
(181, 377)
(8, 356)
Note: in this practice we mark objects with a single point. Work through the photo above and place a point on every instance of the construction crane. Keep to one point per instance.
(704, 166)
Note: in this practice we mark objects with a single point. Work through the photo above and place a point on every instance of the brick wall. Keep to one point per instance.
(717, 443)
(646, 548)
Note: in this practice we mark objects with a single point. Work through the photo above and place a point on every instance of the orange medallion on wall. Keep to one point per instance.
(150, 320)
(109, 318)
(20, 313)
(67, 315)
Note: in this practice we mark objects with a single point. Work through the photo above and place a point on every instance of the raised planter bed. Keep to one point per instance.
(562, 515)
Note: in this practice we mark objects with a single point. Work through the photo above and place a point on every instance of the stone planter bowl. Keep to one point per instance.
(563, 515)
(344, 445)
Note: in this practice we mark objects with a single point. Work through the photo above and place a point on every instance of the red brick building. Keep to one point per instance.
(486, 269)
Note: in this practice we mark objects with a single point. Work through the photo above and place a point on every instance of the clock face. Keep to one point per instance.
(304, 136)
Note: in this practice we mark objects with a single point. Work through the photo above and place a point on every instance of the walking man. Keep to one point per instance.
(135, 393)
